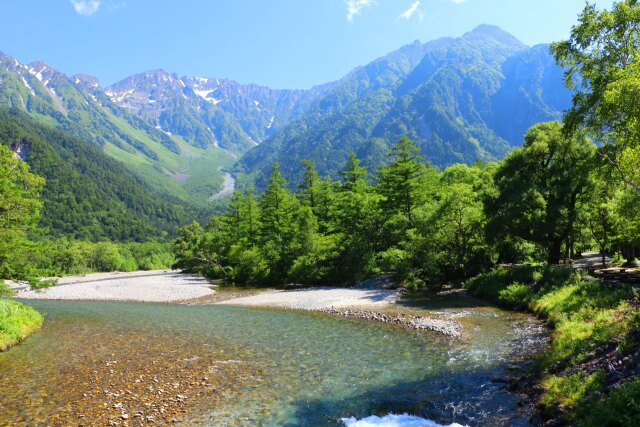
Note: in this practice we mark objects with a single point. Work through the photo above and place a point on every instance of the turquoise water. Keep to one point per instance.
(305, 369)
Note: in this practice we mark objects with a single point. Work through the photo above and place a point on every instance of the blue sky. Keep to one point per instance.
(278, 43)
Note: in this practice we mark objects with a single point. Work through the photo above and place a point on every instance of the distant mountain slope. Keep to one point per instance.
(461, 100)
(87, 194)
(211, 111)
(78, 105)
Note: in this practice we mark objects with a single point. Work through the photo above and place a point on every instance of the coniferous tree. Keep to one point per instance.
(276, 230)
(400, 182)
(308, 189)
(356, 221)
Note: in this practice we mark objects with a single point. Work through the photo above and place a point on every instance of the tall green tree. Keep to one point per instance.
(277, 207)
(317, 194)
(243, 218)
(626, 222)
(537, 189)
(601, 60)
(356, 221)
(599, 208)
(400, 182)
(20, 206)
(460, 225)
(308, 189)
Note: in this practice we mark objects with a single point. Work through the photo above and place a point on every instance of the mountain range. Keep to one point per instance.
(460, 99)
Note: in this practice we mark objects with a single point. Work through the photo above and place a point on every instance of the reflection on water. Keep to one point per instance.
(240, 366)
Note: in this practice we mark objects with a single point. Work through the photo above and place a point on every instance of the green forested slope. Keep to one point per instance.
(78, 106)
(460, 100)
(87, 194)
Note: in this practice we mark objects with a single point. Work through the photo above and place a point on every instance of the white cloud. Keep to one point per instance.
(86, 7)
(458, 1)
(415, 7)
(355, 6)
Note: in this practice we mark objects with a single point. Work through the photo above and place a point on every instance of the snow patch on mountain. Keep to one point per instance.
(118, 97)
(27, 85)
(38, 73)
(204, 94)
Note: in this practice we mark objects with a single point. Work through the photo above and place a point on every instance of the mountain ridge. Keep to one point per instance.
(469, 98)
(461, 99)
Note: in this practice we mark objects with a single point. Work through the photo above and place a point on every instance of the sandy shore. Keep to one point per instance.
(149, 286)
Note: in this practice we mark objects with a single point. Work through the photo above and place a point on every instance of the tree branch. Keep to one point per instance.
(619, 169)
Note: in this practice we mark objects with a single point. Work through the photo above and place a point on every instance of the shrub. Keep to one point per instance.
(516, 295)
(106, 257)
(250, 267)
(5, 290)
(621, 406)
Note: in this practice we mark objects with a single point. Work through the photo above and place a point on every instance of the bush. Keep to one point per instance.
(516, 295)
(106, 257)
(250, 267)
(490, 285)
(413, 282)
(151, 255)
(621, 406)
(5, 290)
(63, 257)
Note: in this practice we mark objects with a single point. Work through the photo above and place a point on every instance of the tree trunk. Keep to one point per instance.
(555, 252)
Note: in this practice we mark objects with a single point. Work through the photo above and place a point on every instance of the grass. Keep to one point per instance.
(17, 322)
(584, 314)
(566, 391)
(202, 165)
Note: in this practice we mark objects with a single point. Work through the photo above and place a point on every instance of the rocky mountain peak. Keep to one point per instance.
(496, 33)
(86, 81)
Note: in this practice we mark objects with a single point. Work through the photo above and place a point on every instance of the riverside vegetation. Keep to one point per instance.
(555, 197)
(25, 254)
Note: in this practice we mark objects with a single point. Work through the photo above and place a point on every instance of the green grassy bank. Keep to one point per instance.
(17, 322)
(589, 375)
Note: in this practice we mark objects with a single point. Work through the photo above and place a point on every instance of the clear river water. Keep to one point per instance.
(94, 361)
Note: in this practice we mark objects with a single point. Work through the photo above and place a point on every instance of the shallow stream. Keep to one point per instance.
(101, 362)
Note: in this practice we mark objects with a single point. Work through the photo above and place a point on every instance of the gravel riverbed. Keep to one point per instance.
(149, 286)
(318, 298)
(365, 301)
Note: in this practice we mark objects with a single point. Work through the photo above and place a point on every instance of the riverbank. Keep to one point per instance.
(17, 322)
(141, 286)
(591, 373)
(372, 300)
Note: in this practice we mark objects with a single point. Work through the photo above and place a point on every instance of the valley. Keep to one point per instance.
(177, 132)
(273, 214)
